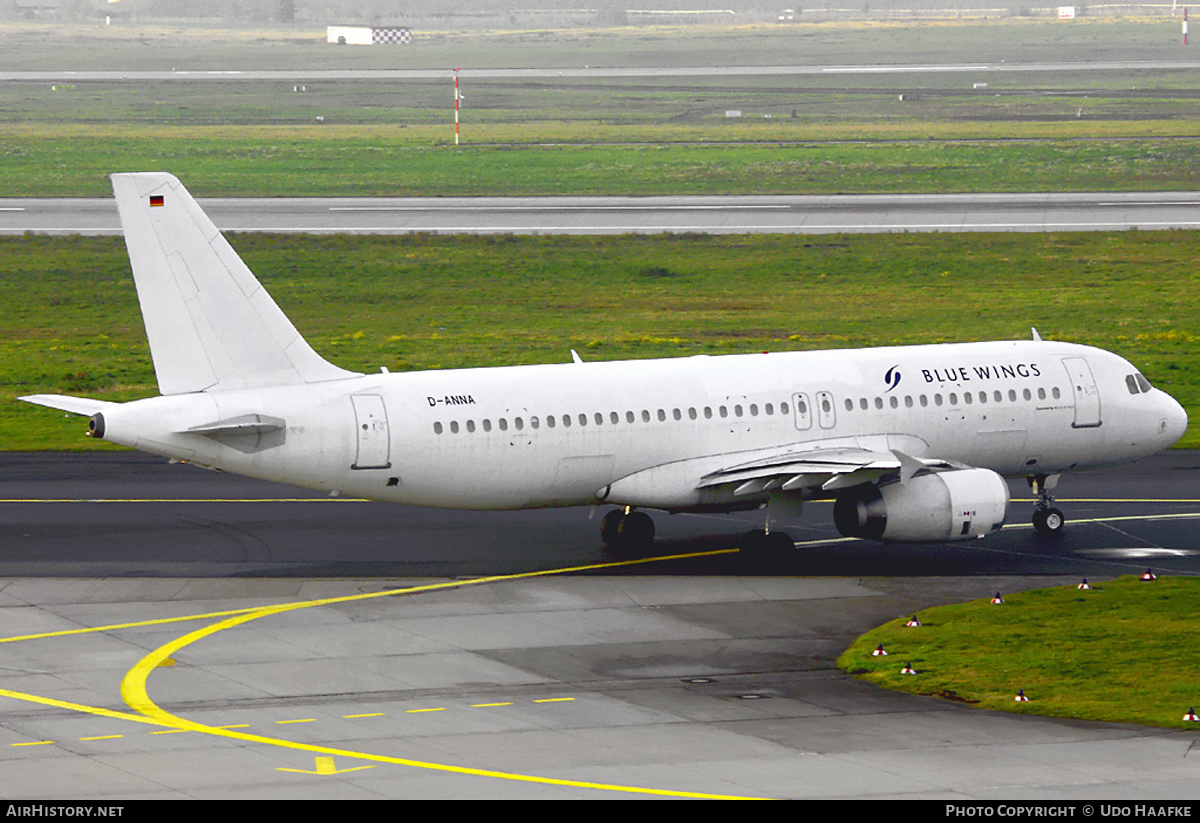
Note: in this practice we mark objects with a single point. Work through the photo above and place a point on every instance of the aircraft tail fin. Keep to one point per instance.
(210, 323)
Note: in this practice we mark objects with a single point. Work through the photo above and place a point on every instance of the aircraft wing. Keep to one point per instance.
(822, 466)
(828, 468)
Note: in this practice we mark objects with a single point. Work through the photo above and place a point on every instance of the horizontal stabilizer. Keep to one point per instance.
(74, 405)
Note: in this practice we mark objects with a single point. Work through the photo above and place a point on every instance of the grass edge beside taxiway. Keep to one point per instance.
(1081, 654)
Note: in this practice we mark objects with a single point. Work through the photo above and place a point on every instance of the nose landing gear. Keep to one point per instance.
(1047, 519)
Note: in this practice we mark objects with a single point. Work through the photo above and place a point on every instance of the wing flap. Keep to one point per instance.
(796, 469)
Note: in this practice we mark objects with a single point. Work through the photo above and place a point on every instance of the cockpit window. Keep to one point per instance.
(1137, 383)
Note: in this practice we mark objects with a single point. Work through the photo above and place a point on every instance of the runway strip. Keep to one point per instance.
(823, 214)
(310, 75)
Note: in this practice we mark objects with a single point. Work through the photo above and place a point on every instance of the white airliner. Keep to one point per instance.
(910, 442)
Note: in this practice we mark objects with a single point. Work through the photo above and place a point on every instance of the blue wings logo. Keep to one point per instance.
(892, 378)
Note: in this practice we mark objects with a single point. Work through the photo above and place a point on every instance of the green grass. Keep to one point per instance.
(698, 103)
(426, 302)
(1124, 651)
(305, 163)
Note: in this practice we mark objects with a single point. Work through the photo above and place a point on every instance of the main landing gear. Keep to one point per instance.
(760, 544)
(1046, 518)
(629, 532)
(626, 531)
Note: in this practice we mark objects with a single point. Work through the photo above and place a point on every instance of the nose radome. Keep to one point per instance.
(1174, 421)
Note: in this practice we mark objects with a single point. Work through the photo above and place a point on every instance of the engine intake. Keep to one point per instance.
(938, 507)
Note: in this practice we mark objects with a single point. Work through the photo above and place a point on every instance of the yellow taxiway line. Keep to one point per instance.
(135, 693)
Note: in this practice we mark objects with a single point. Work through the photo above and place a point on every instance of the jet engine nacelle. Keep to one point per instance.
(943, 506)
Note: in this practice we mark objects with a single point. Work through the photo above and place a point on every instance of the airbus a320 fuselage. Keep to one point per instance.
(910, 442)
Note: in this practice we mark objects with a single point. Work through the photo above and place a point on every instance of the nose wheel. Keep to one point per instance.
(1047, 519)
